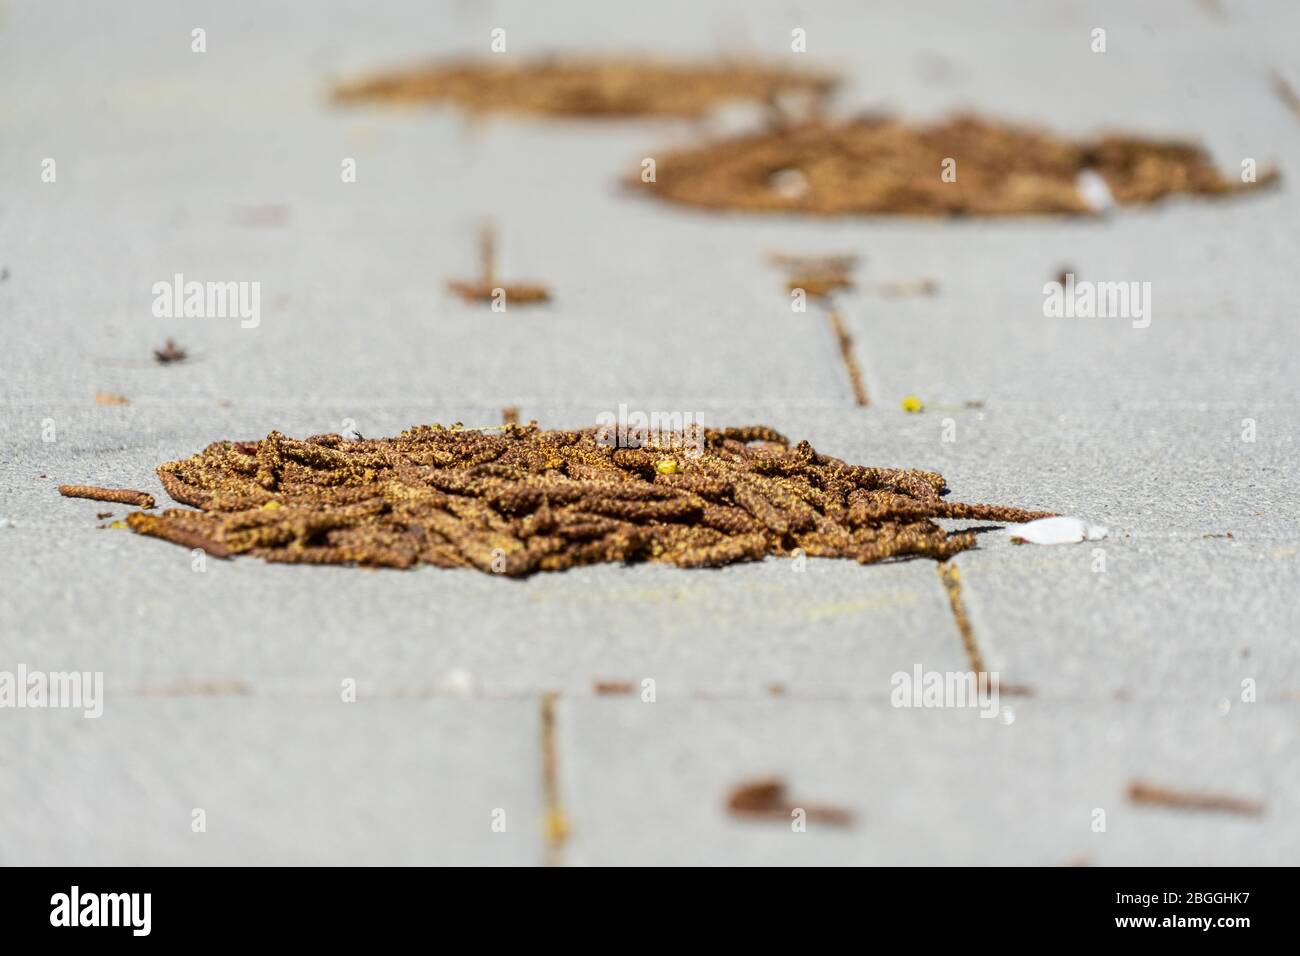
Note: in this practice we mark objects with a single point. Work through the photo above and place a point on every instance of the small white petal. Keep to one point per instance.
(458, 683)
(789, 184)
(1058, 530)
(1093, 190)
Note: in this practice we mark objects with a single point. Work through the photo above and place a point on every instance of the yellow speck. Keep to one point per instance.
(555, 824)
(667, 467)
(271, 506)
(912, 404)
(118, 524)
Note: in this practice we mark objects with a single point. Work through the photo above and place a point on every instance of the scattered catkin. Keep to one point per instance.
(486, 287)
(518, 500)
(817, 276)
(518, 293)
(767, 798)
(169, 353)
(561, 86)
(121, 496)
(875, 165)
(1150, 794)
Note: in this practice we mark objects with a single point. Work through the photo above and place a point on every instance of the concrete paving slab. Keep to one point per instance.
(1200, 623)
(647, 784)
(284, 782)
(226, 166)
(135, 609)
(731, 631)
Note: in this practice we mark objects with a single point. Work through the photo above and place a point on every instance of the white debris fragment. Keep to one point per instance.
(1093, 190)
(458, 683)
(789, 184)
(1058, 530)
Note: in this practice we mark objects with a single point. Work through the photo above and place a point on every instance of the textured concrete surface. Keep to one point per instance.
(1132, 655)
(649, 782)
(279, 781)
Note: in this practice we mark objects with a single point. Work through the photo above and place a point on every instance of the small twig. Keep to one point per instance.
(170, 352)
(485, 287)
(612, 687)
(1287, 92)
(1149, 794)
(846, 353)
(518, 293)
(819, 285)
(120, 496)
(767, 799)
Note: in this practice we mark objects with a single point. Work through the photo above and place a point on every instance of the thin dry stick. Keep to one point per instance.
(846, 354)
(819, 278)
(819, 285)
(120, 496)
(169, 353)
(1287, 92)
(767, 799)
(1149, 794)
(486, 288)
(555, 821)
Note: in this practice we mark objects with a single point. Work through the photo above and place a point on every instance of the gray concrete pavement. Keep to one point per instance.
(223, 687)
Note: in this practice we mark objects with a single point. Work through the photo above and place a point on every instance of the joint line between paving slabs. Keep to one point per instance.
(555, 822)
(845, 343)
(951, 579)
(1286, 93)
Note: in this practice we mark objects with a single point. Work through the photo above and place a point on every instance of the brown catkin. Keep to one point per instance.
(519, 500)
(121, 496)
(879, 166)
(589, 87)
